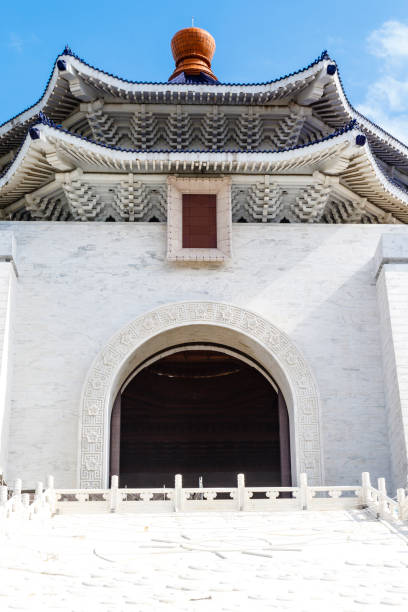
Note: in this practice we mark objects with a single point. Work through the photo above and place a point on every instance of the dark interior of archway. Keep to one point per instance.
(199, 413)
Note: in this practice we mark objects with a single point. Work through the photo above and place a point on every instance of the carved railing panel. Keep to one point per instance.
(44, 503)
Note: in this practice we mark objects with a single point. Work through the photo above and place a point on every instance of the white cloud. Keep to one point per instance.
(395, 125)
(386, 101)
(19, 44)
(16, 42)
(390, 40)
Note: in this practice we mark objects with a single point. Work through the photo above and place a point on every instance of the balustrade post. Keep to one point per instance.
(25, 500)
(365, 488)
(382, 494)
(114, 494)
(241, 493)
(304, 492)
(17, 495)
(401, 503)
(17, 487)
(38, 490)
(52, 500)
(3, 495)
(178, 493)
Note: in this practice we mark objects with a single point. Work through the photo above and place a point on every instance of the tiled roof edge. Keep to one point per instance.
(323, 56)
(355, 114)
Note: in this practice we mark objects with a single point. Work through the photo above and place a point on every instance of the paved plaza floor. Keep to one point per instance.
(303, 561)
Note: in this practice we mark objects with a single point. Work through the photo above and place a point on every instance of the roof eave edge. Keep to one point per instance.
(362, 119)
(38, 106)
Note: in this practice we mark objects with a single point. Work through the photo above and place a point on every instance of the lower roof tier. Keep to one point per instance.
(58, 175)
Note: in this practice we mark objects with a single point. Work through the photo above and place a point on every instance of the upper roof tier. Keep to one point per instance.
(317, 87)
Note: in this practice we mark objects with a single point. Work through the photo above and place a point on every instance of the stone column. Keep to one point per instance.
(391, 268)
(8, 273)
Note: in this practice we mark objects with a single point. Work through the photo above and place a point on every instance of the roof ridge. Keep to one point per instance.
(322, 57)
(68, 51)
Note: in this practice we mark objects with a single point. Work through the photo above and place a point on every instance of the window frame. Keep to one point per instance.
(177, 186)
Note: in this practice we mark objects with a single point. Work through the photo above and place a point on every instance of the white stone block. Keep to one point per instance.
(392, 248)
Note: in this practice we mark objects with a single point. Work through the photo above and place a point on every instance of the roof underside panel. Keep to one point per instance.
(58, 107)
(334, 109)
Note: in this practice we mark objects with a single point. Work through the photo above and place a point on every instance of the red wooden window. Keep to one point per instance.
(199, 221)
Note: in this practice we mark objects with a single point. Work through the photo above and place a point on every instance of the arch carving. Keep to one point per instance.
(107, 374)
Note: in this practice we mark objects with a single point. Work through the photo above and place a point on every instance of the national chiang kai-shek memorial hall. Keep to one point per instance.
(202, 278)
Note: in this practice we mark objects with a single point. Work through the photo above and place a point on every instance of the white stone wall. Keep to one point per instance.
(7, 288)
(392, 284)
(81, 282)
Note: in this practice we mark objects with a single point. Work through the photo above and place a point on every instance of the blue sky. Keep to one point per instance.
(256, 41)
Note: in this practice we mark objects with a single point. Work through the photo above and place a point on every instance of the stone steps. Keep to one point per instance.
(303, 561)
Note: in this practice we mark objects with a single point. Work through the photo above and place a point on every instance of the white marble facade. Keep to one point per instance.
(78, 284)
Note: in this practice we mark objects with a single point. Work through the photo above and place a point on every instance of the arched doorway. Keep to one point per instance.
(203, 412)
(152, 333)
